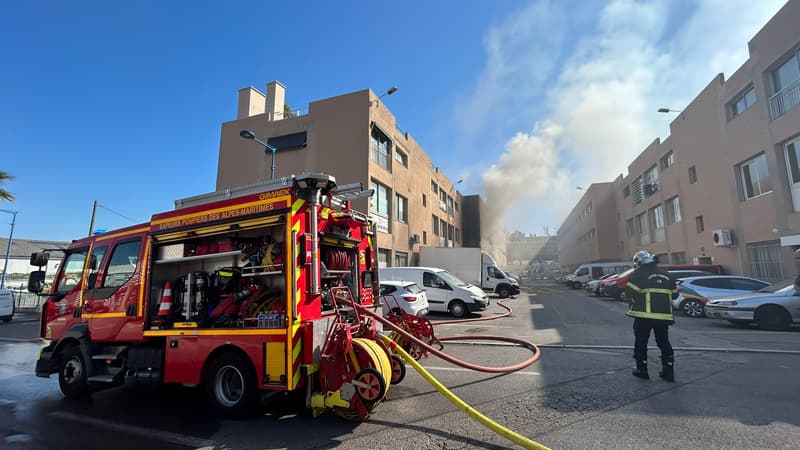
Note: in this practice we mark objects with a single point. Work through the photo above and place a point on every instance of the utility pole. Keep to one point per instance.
(8, 248)
(91, 224)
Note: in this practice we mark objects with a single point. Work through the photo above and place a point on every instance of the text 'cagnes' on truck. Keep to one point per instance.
(235, 291)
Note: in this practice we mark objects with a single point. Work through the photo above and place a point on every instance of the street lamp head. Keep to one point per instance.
(391, 90)
(663, 110)
(247, 134)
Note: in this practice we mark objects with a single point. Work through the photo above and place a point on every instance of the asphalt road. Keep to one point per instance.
(736, 388)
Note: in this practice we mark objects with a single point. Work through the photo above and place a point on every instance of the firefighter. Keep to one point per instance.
(651, 291)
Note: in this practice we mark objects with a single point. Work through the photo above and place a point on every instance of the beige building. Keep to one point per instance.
(355, 138)
(589, 233)
(724, 187)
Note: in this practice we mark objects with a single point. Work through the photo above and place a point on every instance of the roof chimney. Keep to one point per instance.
(276, 98)
(251, 102)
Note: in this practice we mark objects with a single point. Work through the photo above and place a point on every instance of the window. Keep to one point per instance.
(673, 210)
(288, 141)
(638, 194)
(630, 227)
(443, 227)
(458, 236)
(698, 224)
(667, 160)
(401, 208)
(792, 150)
(380, 199)
(401, 157)
(743, 102)
(381, 148)
(435, 223)
(786, 82)
(626, 191)
(122, 264)
(455, 203)
(641, 228)
(400, 259)
(430, 279)
(387, 289)
(663, 258)
(383, 257)
(443, 200)
(678, 258)
(755, 179)
(434, 187)
(94, 265)
(379, 206)
(424, 200)
(657, 223)
(765, 261)
(746, 284)
(692, 175)
(714, 283)
(424, 238)
(651, 181)
(72, 271)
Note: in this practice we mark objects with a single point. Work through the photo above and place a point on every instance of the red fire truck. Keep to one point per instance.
(234, 291)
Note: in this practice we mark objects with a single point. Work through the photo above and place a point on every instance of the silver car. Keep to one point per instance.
(699, 289)
(774, 307)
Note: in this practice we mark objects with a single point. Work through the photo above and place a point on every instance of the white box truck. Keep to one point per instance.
(472, 265)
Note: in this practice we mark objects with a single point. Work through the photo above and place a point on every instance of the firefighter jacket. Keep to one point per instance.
(651, 291)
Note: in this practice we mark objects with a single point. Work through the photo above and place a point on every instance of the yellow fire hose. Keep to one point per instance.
(472, 412)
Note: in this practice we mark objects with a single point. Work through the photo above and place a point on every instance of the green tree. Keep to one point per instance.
(4, 194)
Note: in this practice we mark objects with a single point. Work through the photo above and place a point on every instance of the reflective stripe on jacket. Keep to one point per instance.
(651, 291)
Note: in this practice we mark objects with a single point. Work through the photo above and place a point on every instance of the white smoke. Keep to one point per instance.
(602, 108)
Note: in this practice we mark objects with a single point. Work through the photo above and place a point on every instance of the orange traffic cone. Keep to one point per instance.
(165, 308)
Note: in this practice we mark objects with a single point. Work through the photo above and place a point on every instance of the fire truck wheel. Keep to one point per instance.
(72, 373)
(371, 386)
(458, 308)
(230, 385)
(398, 370)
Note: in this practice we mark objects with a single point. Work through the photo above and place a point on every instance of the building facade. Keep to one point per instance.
(355, 138)
(724, 187)
(589, 233)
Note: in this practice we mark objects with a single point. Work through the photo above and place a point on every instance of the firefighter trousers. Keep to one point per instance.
(641, 331)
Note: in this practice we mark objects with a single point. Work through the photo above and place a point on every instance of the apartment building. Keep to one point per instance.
(355, 138)
(589, 233)
(724, 187)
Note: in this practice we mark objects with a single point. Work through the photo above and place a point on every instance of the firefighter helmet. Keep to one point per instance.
(643, 257)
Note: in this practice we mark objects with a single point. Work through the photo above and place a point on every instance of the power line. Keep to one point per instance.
(121, 215)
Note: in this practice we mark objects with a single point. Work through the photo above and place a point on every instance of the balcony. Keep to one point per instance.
(381, 157)
(785, 100)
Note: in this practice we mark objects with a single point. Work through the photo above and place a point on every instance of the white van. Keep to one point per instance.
(593, 271)
(445, 292)
(6, 305)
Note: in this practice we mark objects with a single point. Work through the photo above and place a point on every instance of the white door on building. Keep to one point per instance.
(792, 153)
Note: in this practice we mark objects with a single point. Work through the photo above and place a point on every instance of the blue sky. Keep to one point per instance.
(113, 102)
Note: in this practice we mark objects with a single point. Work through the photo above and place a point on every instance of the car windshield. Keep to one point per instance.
(779, 287)
(413, 288)
(449, 278)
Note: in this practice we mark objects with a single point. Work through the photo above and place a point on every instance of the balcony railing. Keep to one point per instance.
(274, 116)
(785, 99)
(381, 157)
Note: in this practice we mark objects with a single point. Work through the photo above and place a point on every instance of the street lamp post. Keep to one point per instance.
(8, 248)
(251, 135)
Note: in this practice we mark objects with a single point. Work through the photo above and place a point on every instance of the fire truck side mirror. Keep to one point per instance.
(40, 258)
(36, 281)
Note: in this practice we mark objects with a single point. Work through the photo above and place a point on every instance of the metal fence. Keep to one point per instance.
(24, 300)
(786, 99)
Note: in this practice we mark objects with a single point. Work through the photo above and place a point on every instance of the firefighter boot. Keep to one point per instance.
(641, 370)
(667, 372)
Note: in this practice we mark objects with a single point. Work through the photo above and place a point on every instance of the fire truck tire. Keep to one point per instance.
(231, 386)
(72, 378)
(458, 308)
(398, 370)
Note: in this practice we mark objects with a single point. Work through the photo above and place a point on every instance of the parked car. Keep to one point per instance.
(614, 287)
(694, 292)
(773, 308)
(593, 287)
(6, 305)
(681, 273)
(405, 295)
(593, 271)
(714, 269)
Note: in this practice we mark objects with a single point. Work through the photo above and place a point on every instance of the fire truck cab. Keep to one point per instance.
(232, 290)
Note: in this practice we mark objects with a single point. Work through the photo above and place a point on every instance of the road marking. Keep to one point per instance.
(461, 369)
(166, 436)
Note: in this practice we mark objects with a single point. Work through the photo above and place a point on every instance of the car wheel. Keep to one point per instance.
(230, 385)
(504, 292)
(72, 378)
(772, 318)
(6, 319)
(693, 308)
(458, 308)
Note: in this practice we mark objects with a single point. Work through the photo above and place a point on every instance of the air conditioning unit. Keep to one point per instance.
(722, 237)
